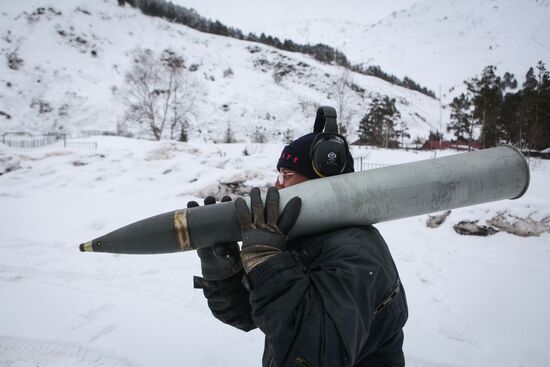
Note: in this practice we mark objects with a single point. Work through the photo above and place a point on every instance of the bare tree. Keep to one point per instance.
(184, 93)
(288, 136)
(159, 93)
(342, 96)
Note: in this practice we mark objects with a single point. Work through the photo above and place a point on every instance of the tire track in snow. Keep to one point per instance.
(22, 352)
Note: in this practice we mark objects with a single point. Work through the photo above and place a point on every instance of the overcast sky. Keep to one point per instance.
(252, 15)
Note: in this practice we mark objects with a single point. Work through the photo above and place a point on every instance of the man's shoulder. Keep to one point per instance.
(348, 235)
(351, 244)
(350, 231)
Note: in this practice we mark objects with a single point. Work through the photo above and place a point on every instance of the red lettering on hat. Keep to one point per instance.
(295, 160)
(288, 156)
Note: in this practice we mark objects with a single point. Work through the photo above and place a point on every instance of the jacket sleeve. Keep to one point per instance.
(228, 299)
(319, 315)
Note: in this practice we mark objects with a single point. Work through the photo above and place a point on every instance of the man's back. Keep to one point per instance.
(336, 300)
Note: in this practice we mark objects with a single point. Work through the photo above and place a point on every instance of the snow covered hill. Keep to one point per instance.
(439, 43)
(64, 62)
(474, 301)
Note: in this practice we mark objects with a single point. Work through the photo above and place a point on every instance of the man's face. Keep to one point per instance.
(288, 178)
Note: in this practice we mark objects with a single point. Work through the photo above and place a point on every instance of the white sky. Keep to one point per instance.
(252, 15)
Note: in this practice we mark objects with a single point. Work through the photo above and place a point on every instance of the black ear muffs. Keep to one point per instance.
(328, 151)
(328, 155)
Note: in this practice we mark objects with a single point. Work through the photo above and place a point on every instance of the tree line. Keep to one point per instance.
(494, 108)
(321, 52)
(503, 112)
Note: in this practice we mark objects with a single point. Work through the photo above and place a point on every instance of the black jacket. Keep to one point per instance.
(335, 300)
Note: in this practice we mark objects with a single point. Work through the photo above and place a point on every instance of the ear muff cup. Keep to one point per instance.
(328, 154)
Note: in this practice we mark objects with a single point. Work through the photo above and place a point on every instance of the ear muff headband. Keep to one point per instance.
(325, 120)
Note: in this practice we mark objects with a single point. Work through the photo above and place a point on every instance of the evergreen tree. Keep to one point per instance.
(435, 135)
(289, 45)
(527, 109)
(377, 127)
(370, 126)
(218, 28)
(487, 101)
(461, 118)
(545, 107)
(530, 82)
(151, 7)
(541, 123)
(508, 81)
(535, 108)
(510, 121)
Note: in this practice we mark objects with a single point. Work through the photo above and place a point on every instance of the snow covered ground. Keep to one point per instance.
(474, 301)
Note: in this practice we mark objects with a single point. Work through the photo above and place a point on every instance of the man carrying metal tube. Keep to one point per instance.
(330, 299)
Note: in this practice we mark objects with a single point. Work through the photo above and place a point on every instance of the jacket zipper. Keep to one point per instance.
(388, 301)
(302, 362)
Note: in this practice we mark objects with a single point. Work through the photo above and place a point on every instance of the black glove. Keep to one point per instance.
(220, 261)
(264, 231)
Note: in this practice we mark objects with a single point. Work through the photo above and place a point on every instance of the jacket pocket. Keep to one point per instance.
(302, 362)
(389, 299)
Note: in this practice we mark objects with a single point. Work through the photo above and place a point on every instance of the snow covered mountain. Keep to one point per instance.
(439, 43)
(64, 64)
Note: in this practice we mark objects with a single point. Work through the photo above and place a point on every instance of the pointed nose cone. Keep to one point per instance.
(162, 233)
(86, 247)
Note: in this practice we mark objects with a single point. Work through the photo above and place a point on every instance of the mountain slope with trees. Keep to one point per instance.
(67, 68)
(439, 43)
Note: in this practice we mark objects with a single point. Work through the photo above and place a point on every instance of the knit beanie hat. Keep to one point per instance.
(295, 156)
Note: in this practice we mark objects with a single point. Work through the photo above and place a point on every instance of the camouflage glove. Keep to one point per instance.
(220, 261)
(264, 231)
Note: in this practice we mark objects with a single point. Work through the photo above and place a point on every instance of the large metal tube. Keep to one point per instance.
(359, 198)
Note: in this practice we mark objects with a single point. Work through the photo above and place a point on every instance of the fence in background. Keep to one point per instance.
(29, 141)
(364, 165)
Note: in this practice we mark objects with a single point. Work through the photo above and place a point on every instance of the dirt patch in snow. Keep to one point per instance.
(524, 227)
(435, 221)
(505, 222)
(472, 228)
